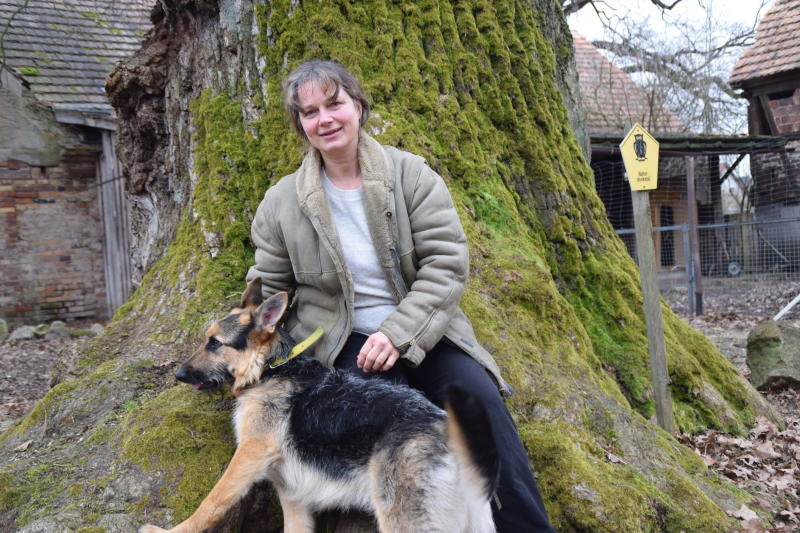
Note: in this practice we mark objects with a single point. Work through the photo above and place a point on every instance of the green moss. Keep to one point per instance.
(186, 437)
(597, 495)
(49, 403)
(10, 493)
(92, 529)
(49, 408)
(28, 71)
(38, 488)
(123, 311)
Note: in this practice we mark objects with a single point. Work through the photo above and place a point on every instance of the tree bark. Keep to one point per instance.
(471, 85)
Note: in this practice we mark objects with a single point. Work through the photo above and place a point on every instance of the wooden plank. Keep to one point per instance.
(115, 226)
(645, 251)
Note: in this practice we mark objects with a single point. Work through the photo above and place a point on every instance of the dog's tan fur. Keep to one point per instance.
(405, 490)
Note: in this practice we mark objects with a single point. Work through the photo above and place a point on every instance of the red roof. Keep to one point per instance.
(613, 101)
(777, 46)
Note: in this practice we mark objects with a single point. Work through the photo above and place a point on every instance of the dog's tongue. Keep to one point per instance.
(197, 386)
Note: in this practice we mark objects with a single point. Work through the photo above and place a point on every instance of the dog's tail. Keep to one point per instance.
(469, 434)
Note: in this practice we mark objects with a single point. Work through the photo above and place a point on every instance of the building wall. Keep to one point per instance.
(51, 241)
(776, 175)
(786, 111)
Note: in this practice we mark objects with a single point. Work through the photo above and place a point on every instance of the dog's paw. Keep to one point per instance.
(151, 529)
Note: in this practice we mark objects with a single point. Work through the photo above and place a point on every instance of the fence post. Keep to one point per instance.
(694, 241)
(689, 267)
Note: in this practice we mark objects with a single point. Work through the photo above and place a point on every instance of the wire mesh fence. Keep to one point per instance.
(722, 221)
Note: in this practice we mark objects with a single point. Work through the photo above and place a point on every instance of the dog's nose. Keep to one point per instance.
(184, 374)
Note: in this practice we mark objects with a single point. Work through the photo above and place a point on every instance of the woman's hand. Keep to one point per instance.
(378, 354)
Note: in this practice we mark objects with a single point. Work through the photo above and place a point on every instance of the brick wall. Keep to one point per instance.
(787, 113)
(51, 241)
(774, 186)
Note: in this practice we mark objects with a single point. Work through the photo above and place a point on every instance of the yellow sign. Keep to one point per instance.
(640, 154)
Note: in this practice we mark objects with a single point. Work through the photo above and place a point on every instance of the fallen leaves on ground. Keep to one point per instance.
(764, 463)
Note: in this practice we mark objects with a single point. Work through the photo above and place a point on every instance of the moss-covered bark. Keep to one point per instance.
(472, 86)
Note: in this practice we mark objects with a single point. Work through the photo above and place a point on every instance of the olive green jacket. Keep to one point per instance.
(417, 236)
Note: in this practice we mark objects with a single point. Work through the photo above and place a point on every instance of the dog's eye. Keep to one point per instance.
(213, 343)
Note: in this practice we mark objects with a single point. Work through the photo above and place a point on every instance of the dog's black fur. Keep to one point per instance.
(354, 433)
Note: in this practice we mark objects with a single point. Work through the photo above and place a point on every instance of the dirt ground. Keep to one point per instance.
(764, 462)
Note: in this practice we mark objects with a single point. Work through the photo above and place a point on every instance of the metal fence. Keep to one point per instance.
(740, 252)
(719, 220)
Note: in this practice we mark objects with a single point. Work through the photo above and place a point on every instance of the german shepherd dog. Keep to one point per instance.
(328, 439)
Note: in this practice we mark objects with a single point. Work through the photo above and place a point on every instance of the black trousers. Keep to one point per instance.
(520, 508)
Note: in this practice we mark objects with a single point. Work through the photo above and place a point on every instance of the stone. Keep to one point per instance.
(118, 523)
(67, 521)
(97, 329)
(3, 330)
(773, 353)
(58, 330)
(23, 333)
(41, 330)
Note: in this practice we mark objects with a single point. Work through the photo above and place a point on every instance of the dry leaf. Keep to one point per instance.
(766, 451)
(24, 446)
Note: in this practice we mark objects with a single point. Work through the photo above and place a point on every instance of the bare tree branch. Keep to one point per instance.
(687, 66)
(573, 6)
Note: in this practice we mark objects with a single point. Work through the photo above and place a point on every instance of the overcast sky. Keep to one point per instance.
(586, 21)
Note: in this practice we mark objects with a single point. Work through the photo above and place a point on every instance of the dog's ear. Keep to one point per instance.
(251, 297)
(270, 312)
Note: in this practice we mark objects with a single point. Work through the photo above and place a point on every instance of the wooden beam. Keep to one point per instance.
(694, 241)
(732, 168)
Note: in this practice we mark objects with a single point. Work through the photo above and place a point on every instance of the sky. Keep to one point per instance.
(587, 23)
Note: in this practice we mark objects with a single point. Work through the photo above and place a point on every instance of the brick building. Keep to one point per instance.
(768, 74)
(63, 225)
(613, 103)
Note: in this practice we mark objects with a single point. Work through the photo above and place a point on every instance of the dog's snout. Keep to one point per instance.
(184, 374)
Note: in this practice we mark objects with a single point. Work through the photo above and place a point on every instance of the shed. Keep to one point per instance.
(768, 74)
(63, 220)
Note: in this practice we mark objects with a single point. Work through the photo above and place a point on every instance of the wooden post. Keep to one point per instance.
(645, 251)
(694, 240)
(640, 153)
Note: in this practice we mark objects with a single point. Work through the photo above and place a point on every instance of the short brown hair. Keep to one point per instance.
(328, 75)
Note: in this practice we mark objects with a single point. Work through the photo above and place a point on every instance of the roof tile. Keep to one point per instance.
(613, 101)
(777, 45)
(70, 46)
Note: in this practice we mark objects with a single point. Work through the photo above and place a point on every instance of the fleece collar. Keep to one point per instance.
(372, 159)
(377, 176)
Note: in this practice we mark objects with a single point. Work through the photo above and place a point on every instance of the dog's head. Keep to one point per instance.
(236, 348)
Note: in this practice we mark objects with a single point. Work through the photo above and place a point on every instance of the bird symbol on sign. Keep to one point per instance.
(640, 147)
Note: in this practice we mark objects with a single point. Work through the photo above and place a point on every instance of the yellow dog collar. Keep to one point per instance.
(299, 348)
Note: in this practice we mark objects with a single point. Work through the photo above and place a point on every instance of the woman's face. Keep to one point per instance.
(331, 121)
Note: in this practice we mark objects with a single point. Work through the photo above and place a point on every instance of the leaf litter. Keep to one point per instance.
(765, 462)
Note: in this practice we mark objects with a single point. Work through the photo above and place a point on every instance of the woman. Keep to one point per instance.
(369, 241)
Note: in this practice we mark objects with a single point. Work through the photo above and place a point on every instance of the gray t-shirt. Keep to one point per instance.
(373, 299)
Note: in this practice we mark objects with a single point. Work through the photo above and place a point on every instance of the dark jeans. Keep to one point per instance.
(520, 508)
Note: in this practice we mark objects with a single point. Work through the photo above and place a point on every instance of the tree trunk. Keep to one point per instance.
(473, 86)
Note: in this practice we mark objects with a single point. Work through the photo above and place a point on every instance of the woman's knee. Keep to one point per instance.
(446, 366)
